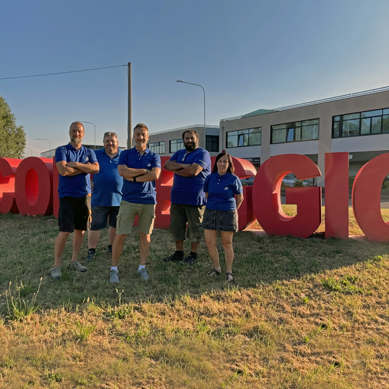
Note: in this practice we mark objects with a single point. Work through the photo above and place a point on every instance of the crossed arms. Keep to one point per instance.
(70, 169)
(183, 169)
(142, 175)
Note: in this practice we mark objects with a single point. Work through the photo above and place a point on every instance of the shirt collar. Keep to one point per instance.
(223, 176)
(146, 151)
(70, 147)
(104, 152)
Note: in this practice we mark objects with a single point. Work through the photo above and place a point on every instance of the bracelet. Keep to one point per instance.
(134, 178)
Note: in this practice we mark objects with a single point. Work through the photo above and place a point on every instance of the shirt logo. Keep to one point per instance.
(149, 164)
(226, 188)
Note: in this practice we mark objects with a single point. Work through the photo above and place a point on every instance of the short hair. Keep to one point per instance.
(231, 167)
(77, 123)
(109, 133)
(141, 125)
(191, 131)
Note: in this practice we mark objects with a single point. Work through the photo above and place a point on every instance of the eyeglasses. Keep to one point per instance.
(183, 158)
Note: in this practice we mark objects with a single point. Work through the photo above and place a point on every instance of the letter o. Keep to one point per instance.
(33, 186)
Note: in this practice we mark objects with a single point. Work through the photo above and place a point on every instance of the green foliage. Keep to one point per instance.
(83, 330)
(345, 285)
(19, 308)
(13, 137)
(351, 182)
(298, 184)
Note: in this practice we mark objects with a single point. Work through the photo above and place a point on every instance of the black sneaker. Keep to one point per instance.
(109, 251)
(173, 258)
(188, 261)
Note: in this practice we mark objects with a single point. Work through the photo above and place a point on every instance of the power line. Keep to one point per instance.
(54, 74)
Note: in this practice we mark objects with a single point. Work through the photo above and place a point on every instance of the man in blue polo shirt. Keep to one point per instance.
(139, 167)
(190, 167)
(106, 195)
(75, 163)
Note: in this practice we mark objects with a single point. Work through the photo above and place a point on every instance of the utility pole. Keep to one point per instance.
(129, 117)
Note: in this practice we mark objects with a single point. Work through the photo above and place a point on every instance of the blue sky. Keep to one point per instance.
(247, 55)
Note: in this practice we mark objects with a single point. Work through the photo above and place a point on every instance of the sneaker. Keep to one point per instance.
(91, 256)
(55, 272)
(109, 251)
(188, 261)
(173, 258)
(114, 277)
(143, 274)
(77, 266)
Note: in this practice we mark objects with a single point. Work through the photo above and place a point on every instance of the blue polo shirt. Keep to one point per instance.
(79, 185)
(139, 192)
(222, 190)
(189, 190)
(107, 184)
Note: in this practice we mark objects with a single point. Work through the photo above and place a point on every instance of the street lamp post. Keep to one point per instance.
(191, 83)
(48, 141)
(82, 121)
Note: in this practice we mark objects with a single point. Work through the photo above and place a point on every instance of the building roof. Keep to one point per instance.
(326, 100)
(258, 112)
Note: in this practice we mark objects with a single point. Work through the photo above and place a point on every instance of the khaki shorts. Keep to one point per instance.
(180, 215)
(126, 216)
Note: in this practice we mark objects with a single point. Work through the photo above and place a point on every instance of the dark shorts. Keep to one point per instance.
(220, 220)
(100, 216)
(180, 216)
(74, 213)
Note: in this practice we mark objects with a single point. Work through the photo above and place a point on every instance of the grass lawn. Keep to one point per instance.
(310, 313)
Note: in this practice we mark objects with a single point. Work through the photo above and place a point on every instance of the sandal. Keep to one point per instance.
(213, 272)
(228, 275)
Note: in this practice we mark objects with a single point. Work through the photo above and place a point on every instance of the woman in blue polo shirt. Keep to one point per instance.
(221, 187)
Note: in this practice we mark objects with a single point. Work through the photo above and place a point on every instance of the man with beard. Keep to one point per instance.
(74, 163)
(190, 167)
(106, 195)
(139, 167)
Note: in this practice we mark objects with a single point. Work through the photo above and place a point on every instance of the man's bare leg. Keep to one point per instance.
(77, 241)
(117, 248)
(59, 247)
(112, 234)
(144, 247)
(194, 246)
(180, 245)
(93, 238)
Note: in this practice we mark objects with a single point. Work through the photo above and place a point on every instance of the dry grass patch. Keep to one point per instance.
(302, 314)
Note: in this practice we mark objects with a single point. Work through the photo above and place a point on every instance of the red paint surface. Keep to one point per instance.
(8, 167)
(267, 197)
(33, 186)
(336, 195)
(366, 198)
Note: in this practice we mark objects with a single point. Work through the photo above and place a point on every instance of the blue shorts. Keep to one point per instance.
(102, 216)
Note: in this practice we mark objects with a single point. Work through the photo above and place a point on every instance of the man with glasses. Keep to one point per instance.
(190, 167)
(106, 195)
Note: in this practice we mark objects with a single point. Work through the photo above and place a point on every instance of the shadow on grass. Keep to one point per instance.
(26, 246)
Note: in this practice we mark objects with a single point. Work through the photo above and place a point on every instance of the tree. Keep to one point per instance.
(12, 137)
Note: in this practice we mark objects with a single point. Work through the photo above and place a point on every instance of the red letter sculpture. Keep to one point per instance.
(33, 186)
(267, 200)
(366, 198)
(8, 167)
(336, 194)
